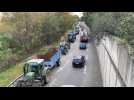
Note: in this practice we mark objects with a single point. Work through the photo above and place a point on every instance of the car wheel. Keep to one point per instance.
(58, 63)
(73, 65)
(65, 53)
(82, 65)
(43, 81)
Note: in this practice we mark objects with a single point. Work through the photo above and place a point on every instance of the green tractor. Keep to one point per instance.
(34, 72)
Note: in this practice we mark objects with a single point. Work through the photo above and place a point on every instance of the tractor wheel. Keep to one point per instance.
(43, 81)
(58, 63)
(20, 84)
(64, 53)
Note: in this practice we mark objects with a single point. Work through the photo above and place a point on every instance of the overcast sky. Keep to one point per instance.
(80, 14)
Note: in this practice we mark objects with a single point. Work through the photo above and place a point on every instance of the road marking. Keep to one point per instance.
(53, 82)
(85, 70)
(86, 57)
(60, 69)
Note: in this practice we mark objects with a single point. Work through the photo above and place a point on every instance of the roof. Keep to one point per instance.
(77, 57)
(36, 60)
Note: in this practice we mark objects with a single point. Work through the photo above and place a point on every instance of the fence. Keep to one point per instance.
(116, 63)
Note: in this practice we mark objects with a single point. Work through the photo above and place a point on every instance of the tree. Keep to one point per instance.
(120, 24)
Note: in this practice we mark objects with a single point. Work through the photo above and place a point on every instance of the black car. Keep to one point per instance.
(78, 61)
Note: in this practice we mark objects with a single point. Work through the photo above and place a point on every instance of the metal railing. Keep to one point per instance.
(13, 83)
(122, 82)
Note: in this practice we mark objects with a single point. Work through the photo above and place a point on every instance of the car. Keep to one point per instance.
(78, 61)
(82, 45)
(84, 38)
(77, 33)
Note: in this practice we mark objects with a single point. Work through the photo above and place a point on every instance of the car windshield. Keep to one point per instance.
(32, 67)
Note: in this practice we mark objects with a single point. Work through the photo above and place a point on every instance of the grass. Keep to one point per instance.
(10, 74)
(124, 42)
(120, 41)
(5, 27)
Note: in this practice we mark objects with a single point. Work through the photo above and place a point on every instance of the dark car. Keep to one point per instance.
(78, 61)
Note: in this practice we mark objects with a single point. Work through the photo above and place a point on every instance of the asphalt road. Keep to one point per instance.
(66, 75)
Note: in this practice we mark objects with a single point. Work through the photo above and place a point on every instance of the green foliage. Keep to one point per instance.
(26, 32)
(9, 75)
(120, 24)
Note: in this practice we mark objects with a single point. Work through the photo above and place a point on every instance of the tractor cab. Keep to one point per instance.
(34, 72)
(32, 69)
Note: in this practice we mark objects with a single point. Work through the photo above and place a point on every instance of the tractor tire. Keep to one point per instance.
(64, 53)
(20, 84)
(43, 81)
(58, 63)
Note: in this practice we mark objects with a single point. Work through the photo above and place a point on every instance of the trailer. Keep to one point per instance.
(54, 59)
(64, 47)
(71, 37)
(51, 59)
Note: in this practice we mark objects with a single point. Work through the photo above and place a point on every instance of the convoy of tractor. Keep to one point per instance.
(36, 70)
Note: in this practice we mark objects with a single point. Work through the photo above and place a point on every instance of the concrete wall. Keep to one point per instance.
(124, 63)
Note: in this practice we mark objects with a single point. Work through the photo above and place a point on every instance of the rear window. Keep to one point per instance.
(77, 60)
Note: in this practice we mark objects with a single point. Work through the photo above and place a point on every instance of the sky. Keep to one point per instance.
(77, 13)
(73, 13)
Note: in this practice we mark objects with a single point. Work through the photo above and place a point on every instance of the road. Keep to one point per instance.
(66, 75)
